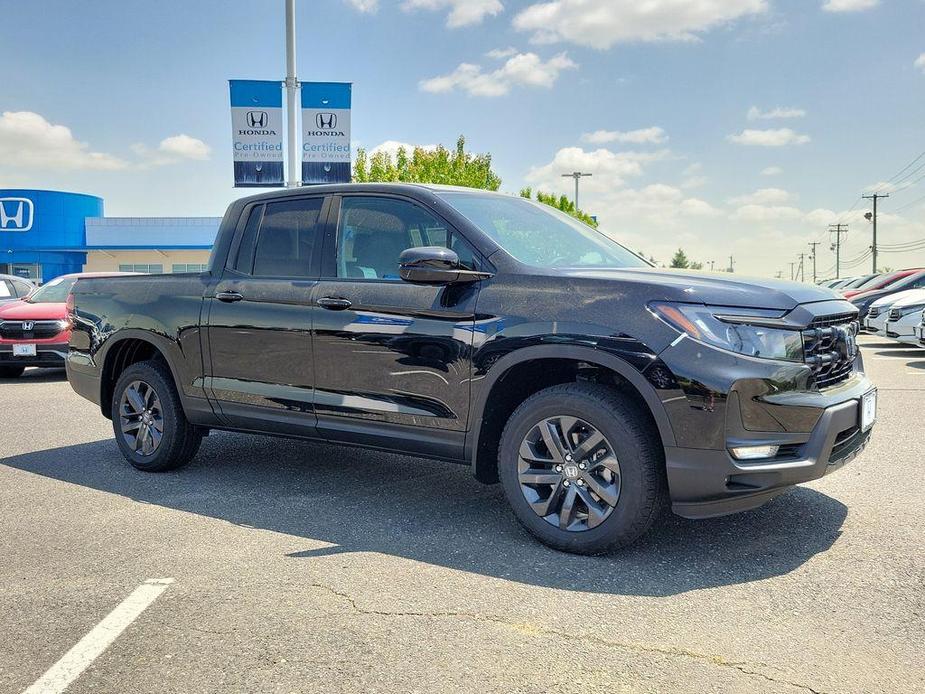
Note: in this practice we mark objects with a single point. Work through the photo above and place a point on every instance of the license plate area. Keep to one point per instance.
(868, 410)
(24, 350)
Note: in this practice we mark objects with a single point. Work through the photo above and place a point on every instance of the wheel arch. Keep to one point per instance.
(120, 352)
(481, 444)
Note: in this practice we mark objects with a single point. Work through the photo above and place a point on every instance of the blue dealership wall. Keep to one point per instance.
(56, 239)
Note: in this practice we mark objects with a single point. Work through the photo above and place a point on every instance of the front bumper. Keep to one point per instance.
(46, 354)
(903, 330)
(706, 483)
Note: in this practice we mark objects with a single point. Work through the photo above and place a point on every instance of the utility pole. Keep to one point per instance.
(838, 230)
(792, 277)
(779, 274)
(711, 265)
(802, 271)
(731, 265)
(873, 218)
(576, 175)
(292, 98)
(812, 254)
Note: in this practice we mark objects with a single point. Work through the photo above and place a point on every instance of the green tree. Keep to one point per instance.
(439, 165)
(680, 260)
(561, 203)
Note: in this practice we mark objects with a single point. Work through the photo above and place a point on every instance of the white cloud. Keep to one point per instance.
(920, 62)
(391, 147)
(523, 69)
(603, 23)
(755, 113)
(27, 140)
(364, 5)
(849, 5)
(184, 147)
(653, 135)
(764, 196)
(462, 12)
(501, 53)
(772, 171)
(608, 169)
(769, 138)
(171, 150)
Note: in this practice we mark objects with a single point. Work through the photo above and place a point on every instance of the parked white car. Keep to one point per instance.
(875, 320)
(905, 316)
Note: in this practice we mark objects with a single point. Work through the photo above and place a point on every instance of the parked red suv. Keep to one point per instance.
(34, 331)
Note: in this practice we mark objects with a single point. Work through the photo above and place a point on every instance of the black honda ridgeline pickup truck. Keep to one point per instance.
(488, 330)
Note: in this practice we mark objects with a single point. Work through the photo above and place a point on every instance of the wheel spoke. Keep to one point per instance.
(149, 394)
(596, 514)
(609, 493)
(529, 454)
(566, 426)
(155, 436)
(128, 426)
(591, 443)
(533, 476)
(546, 506)
(140, 438)
(158, 423)
(552, 437)
(134, 399)
(567, 509)
(609, 462)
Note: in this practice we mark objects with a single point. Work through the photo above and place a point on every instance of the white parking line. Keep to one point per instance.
(60, 675)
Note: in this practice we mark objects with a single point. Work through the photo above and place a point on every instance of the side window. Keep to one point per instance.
(373, 232)
(5, 292)
(244, 262)
(288, 234)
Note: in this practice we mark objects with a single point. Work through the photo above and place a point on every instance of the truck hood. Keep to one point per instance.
(715, 288)
(23, 310)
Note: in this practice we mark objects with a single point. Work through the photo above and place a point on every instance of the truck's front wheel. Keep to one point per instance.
(151, 429)
(581, 467)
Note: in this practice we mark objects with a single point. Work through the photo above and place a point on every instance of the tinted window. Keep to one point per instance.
(245, 258)
(21, 288)
(374, 231)
(288, 234)
(537, 234)
(54, 292)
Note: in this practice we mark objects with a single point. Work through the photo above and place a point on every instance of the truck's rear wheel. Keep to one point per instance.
(151, 429)
(582, 468)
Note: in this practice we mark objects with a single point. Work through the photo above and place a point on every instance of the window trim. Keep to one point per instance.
(329, 251)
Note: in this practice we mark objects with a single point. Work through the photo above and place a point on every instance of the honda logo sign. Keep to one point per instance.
(326, 121)
(257, 119)
(16, 214)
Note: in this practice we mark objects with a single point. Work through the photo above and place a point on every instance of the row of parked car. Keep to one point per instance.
(891, 304)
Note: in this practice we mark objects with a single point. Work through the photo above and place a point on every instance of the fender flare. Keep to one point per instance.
(164, 346)
(576, 353)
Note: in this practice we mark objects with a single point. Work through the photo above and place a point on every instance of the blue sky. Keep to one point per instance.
(129, 100)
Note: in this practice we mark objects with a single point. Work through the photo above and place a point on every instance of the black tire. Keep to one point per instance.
(179, 440)
(11, 371)
(633, 440)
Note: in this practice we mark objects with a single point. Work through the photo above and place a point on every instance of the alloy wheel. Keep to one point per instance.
(569, 473)
(140, 418)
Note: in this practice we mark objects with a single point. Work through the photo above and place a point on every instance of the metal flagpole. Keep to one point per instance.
(292, 99)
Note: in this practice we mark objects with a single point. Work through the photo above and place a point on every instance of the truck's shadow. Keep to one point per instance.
(436, 513)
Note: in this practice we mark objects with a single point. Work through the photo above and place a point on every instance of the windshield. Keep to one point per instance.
(539, 235)
(881, 280)
(54, 292)
(861, 281)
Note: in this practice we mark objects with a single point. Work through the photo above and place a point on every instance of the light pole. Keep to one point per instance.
(576, 175)
(292, 98)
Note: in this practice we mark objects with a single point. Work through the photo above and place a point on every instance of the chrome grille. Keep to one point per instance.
(41, 329)
(830, 347)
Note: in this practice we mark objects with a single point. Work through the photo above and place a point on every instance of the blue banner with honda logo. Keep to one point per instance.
(257, 133)
(326, 132)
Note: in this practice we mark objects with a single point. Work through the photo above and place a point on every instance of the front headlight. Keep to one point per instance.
(906, 310)
(734, 329)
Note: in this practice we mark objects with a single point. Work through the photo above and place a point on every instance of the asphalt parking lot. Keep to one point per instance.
(302, 567)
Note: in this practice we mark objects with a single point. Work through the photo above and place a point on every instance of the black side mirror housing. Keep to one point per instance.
(435, 265)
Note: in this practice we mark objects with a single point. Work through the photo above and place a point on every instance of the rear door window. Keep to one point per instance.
(280, 239)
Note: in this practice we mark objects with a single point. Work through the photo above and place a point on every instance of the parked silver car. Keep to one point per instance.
(13, 288)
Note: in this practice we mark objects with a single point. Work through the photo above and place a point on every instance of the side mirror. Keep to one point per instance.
(435, 265)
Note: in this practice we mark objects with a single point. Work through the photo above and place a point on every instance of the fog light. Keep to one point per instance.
(753, 452)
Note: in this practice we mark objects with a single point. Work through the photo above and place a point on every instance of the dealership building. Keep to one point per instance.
(45, 233)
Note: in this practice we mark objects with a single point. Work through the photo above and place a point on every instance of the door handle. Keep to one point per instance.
(333, 303)
(229, 296)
